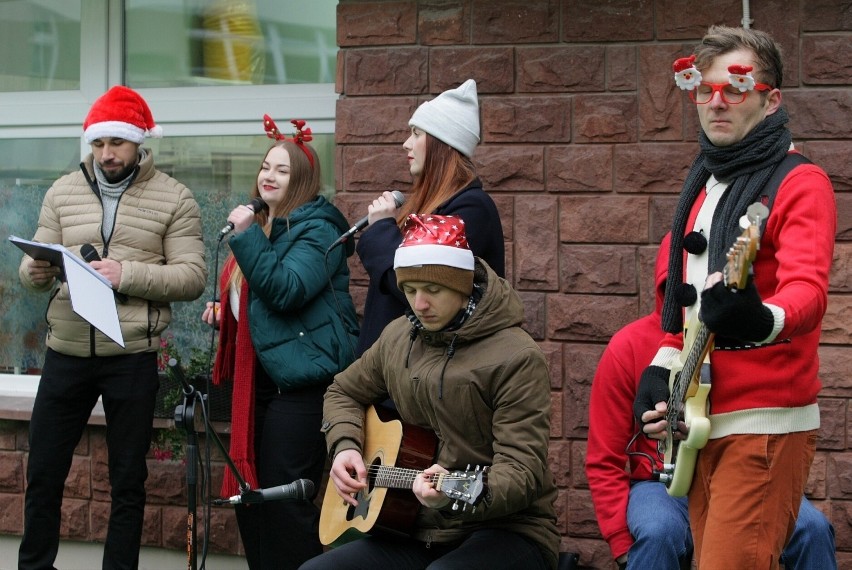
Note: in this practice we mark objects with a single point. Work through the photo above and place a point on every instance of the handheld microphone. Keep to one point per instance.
(299, 490)
(398, 199)
(90, 254)
(257, 204)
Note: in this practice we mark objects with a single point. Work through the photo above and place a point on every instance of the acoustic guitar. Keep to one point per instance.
(394, 455)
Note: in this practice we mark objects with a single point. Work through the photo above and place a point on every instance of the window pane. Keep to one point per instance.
(41, 45)
(220, 171)
(230, 42)
(28, 167)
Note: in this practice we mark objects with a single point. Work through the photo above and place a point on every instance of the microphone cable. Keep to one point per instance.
(329, 276)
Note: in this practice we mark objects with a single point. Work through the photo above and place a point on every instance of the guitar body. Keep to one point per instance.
(694, 416)
(379, 508)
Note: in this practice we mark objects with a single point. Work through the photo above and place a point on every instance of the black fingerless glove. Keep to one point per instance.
(738, 313)
(653, 388)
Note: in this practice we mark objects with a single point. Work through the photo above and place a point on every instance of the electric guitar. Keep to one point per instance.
(394, 456)
(689, 380)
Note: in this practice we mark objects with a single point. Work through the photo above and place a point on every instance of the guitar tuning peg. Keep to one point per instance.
(456, 505)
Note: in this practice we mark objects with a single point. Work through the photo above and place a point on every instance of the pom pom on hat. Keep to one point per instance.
(452, 117)
(120, 113)
(434, 249)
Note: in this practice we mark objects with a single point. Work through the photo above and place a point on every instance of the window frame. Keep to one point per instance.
(181, 111)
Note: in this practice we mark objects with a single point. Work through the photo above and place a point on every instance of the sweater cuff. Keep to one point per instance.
(619, 543)
(778, 319)
(666, 357)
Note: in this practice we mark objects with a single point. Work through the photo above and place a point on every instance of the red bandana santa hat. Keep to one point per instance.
(434, 249)
(120, 113)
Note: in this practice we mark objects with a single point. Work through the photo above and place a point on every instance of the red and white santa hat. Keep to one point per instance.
(434, 249)
(120, 113)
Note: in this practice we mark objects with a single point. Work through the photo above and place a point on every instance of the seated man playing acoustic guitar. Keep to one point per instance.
(460, 365)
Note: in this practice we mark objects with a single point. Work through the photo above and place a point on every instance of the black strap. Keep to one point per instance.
(791, 161)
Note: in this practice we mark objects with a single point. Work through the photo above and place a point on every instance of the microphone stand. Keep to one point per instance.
(185, 418)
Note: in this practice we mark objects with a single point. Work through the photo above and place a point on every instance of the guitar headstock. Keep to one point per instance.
(742, 253)
(465, 487)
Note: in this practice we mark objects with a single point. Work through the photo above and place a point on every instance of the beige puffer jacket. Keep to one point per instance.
(157, 238)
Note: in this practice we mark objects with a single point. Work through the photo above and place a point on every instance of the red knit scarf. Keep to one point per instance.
(235, 360)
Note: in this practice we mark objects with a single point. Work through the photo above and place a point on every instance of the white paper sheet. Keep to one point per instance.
(91, 293)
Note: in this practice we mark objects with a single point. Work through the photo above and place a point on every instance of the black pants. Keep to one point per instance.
(68, 390)
(288, 446)
(490, 549)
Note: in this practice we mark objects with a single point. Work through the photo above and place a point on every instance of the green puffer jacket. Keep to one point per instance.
(157, 239)
(484, 390)
(303, 332)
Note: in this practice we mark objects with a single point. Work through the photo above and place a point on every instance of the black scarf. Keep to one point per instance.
(746, 166)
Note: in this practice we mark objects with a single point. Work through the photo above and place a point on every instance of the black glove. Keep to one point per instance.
(653, 388)
(738, 313)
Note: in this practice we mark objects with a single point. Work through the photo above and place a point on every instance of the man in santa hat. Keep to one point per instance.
(460, 365)
(145, 228)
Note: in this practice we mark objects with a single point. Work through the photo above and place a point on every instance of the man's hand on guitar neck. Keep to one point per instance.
(346, 464)
(651, 404)
(649, 407)
(425, 488)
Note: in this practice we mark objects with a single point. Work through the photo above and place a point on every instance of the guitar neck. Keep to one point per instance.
(391, 477)
(697, 351)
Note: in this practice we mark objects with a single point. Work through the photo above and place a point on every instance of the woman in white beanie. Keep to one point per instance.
(444, 135)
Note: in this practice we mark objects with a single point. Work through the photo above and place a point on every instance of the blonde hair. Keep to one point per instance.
(445, 172)
(304, 186)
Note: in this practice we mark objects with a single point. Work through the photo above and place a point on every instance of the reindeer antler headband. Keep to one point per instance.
(300, 137)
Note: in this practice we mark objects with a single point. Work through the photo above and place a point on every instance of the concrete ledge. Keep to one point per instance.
(87, 555)
(18, 391)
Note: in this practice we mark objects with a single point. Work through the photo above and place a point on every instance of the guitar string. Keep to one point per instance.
(387, 475)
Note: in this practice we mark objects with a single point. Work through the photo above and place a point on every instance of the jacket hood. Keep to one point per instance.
(660, 270)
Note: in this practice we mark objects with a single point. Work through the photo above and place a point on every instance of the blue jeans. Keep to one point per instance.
(812, 545)
(659, 524)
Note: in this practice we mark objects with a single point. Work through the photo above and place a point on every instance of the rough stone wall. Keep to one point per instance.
(585, 144)
(86, 499)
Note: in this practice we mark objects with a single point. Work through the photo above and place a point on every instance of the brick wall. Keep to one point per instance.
(585, 143)
(86, 501)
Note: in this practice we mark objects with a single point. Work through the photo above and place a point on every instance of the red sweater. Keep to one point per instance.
(611, 423)
(774, 387)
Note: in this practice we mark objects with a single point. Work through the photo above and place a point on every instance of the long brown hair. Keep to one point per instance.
(304, 186)
(445, 172)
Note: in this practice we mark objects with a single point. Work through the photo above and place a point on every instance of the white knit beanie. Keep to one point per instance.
(452, 117)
